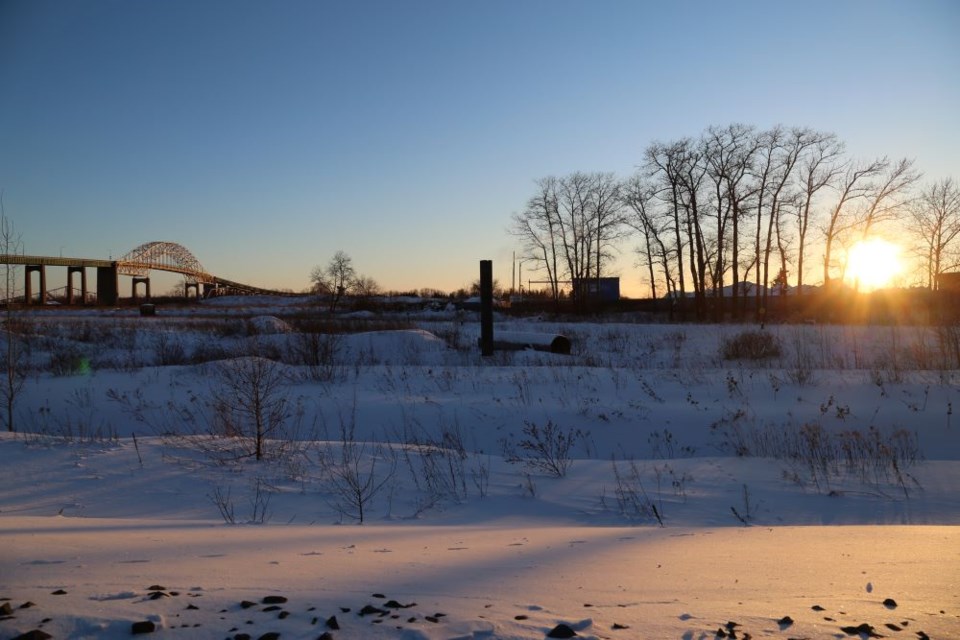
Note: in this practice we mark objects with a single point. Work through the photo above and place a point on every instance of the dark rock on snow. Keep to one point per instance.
(35, 634)
(144, 626)
(562, 631)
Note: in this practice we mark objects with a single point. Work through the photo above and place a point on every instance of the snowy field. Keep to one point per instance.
(661, 481)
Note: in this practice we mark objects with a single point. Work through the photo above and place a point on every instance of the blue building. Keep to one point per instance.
(598, 289)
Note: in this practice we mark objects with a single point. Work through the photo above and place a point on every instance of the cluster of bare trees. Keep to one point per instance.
(737, 205)
(339, 278)
(571, 225)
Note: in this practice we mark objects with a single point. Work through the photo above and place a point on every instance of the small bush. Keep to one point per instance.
(67, 360)
(750, 345)
(545, 449)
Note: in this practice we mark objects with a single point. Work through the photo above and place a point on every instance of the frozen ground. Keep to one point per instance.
(696, 490)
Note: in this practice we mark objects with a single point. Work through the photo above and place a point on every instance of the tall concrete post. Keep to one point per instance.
(71, 298)
(137, 280)
(486, 307)
(83, 285)
(108, 285)
(28, 283)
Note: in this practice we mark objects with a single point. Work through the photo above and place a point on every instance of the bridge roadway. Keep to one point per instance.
(109, 271)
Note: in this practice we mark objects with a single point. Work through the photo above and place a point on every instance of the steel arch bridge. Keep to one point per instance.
(150, 256)
(164, 256)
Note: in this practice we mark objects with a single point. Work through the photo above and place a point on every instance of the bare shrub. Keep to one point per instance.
(207, 352)
(67, 359)
(319, 353)
(438, 466)
(546, 449)
(16, 358)
(248, 412)
(748, 508)
(801, 368)
(169, 349)
(251, 406)
(750, 345)
(224, 503)
(355, 472)
(633, 502)
(948, 339)
(816, 457)
(259, 500)
(78, 422)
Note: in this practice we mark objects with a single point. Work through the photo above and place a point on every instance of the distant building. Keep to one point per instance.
(598, 289)
(949, 282)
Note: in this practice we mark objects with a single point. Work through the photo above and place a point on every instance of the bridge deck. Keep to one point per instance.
(52, 261)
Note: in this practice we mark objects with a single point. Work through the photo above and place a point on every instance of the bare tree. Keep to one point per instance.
(365, 286)
(729, 154)
(936, 222)
(784, 148)
(357, 472)
(681, 170)
(640, 198)
(852, 186)
(15, 370)
(888, 197)
(537, 228)
(570, 226)
(251, 404)
(818, 170)
(882, 189)
(336, 279)
(606, 216)
(572, 221)
(664, 162)
(692, 174)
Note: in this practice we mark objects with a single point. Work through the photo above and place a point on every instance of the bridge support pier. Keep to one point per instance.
(83, 285)
(187, 286)
(28, 283)
(137, 280)
(108, 285)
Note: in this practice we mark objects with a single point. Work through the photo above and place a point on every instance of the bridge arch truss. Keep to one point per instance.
(164, 256)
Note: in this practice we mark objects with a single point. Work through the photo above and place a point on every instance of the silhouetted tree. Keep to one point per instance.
(339, 278)
(729, 153)
(936, 223)
(851, 187)
(639, 197)
(250, 403)
(15, 356)
(818, 170)
(570, 226)
(537, 228)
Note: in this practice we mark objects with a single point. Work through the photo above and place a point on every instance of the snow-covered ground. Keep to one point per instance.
(644, 486)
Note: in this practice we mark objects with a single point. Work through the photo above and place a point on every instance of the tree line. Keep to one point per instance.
(736, 205)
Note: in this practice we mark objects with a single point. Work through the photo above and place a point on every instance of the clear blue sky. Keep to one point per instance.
(265, 136)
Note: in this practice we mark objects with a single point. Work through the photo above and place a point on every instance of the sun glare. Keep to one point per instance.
(873, 263)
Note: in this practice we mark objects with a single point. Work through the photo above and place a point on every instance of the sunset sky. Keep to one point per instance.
(265, 136)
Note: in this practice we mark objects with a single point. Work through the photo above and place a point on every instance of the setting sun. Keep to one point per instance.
(873, 263)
